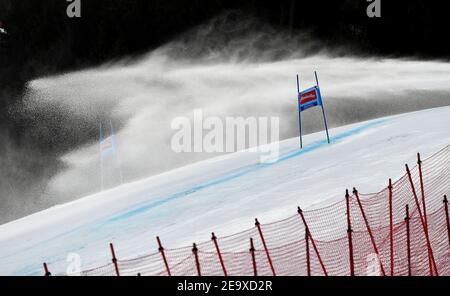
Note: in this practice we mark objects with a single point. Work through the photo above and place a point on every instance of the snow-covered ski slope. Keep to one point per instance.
(223, 194)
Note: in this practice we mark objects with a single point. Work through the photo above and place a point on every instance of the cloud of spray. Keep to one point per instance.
(227, 68)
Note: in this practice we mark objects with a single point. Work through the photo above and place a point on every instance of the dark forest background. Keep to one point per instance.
(43, 40)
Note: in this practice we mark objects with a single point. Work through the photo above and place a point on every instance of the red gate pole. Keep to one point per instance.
(197, 261)
(349, 234)
(258, 225)
(447, 218)
(308, 261)
(214, 239)
(431, 261)
(391, 228)
(163, 255)
(408, 240)
(316, 250)
(46, 272)
(252, 252)
(114, 259)
(366, 221)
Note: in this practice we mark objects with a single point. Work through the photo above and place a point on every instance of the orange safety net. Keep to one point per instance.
(379, 240)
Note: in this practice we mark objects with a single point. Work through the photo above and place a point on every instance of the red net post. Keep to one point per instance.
(424, 206)
(349, 235)
(408, 240)
(197, 261)
(269, 259)
(308, 259)
(431, 261)
(391, 229)
(369, 230)
(447, 218)
(46, 271)
(308, 233)
(114, 259)
(219, 254)
(163, 255)
(422, 190)
(252, 253)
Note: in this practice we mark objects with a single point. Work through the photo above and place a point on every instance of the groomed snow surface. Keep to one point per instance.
(223, 194)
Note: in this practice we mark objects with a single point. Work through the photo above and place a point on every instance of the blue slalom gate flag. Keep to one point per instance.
(309, 98)
(107, 146)
(108, 153)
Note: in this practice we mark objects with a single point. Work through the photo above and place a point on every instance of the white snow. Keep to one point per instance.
(223, 194)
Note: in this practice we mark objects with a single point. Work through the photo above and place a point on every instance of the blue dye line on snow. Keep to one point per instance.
(33, 270)
(314, 146)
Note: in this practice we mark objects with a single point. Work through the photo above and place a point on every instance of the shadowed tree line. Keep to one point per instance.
(43, 40)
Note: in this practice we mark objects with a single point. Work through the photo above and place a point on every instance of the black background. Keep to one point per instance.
(281, 285)
(43, 40)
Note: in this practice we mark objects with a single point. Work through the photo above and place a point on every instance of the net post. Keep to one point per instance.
(408, 240)
(422, 190)
(269, 259)
(197, 261)
(252, 253)
(369, 230)
(391, 229)
(163, 255)
(308, 259)
(349, 234)
(316, 250)
(447, 218)
(424, 206)
(219, 254)
(46, 271)
(431, 261)
(114, 259)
